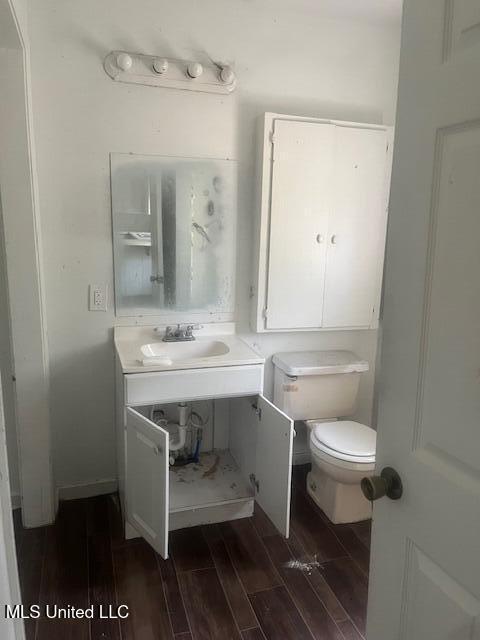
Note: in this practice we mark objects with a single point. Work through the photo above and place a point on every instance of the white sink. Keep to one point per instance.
(141, 349)
(169, 353)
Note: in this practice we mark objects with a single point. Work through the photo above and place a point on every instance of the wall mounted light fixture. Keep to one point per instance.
(155, 71)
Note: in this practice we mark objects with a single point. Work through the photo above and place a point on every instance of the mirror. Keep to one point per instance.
(173, 234)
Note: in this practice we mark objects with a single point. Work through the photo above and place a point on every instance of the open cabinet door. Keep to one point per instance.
(273, 469)
(147, 480)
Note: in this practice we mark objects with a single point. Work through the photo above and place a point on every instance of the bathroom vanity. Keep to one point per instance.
(247, 456)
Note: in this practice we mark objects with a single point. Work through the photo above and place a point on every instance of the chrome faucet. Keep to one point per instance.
(180, 334)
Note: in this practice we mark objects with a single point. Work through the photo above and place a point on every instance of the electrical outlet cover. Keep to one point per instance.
(97, 297)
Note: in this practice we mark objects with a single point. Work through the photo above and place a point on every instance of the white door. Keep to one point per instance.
(356, 231)
(273, 466)
(300, 203)
(425, 582)
(9, 585)
(147, 480)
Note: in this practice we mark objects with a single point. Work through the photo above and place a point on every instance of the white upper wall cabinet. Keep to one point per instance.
(323, 195)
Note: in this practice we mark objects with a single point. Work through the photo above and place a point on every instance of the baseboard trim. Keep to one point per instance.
(87, 489)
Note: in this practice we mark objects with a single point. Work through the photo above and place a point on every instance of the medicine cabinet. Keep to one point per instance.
(321, 223)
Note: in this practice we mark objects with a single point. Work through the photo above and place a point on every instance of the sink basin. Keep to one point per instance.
(174, 352)
(141, 350)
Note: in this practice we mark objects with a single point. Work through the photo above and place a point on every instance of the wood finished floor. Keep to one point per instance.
(232, 581)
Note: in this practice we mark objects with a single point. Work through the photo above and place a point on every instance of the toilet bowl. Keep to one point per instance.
(342, 452)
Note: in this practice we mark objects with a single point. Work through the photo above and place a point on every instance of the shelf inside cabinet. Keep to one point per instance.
(216, 479)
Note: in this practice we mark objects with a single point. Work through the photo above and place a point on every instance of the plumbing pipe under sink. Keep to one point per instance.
(182, 428)
(186, 420)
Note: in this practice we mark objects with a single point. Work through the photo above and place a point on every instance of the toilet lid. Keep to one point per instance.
(346, 440)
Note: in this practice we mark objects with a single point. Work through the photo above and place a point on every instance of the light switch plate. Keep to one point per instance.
(97, 297)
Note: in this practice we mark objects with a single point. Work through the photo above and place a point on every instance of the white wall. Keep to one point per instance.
(290, 56)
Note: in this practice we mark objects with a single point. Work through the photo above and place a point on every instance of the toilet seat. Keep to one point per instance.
(325, 460)
(344, 440)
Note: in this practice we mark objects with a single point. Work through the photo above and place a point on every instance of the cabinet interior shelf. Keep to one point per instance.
(137, 243)
(216, 479)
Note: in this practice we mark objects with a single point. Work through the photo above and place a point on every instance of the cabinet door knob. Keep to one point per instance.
(333, 239)
(319, 238)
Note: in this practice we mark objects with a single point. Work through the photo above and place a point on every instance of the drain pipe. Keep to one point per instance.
(182, 427)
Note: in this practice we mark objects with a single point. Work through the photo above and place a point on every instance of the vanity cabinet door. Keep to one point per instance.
(273, 466)
(147, 480)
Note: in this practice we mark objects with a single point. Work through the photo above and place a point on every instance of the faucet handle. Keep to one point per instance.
(179, 331)
(189, 331)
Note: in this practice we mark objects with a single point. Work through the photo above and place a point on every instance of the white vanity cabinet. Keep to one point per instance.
(322, 211)
(252, 446)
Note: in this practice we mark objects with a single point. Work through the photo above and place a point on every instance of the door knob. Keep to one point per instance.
(388, 483)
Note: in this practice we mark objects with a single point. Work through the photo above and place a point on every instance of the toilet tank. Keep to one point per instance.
(312, 385)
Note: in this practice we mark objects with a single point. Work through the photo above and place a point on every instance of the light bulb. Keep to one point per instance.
(124, 61)
(160, 65)
(227, 76)
(194, 70)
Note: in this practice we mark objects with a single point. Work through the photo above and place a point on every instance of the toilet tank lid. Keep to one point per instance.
(315, 363)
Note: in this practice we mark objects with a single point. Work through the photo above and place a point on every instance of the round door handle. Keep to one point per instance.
(388, 483)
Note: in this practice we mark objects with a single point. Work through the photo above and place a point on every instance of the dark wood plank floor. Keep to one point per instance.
(233, 581)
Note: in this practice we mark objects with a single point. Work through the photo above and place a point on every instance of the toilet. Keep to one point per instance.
(320, 388)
